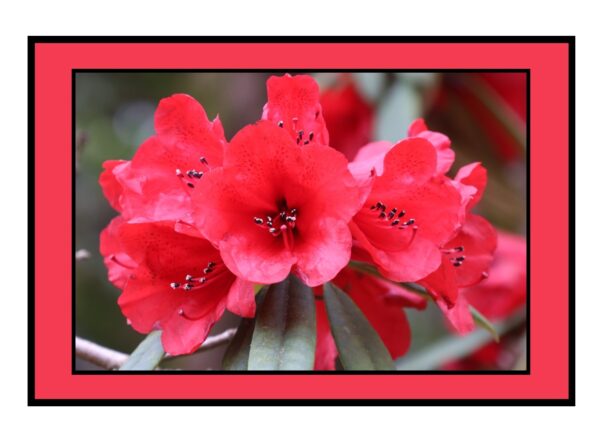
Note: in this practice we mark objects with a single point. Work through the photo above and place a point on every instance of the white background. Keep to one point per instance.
(425, 17)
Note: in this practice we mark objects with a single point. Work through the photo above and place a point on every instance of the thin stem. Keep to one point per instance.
(99, 355)
(110, 359)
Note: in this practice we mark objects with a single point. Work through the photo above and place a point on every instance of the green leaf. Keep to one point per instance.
(147, 355)
(358, 344)
(484, 323)
(236, 355)
(285, 332)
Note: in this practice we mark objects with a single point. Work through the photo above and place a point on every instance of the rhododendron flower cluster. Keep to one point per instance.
(203, 220)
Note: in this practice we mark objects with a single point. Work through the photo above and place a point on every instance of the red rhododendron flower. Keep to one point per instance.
(383, 305)
(276, 206)
(349, 117)
(497, 297)
(172, 281)
(410, 212)
(466, 261)
(293, 104)
(156, 184)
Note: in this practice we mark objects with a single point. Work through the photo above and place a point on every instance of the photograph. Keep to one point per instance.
(323, 221)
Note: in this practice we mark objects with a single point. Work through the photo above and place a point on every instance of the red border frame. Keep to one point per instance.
(551, 65)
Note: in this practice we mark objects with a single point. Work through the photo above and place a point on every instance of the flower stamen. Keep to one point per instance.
(192, 281)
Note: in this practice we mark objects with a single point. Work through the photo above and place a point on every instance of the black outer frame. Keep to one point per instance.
(569, 40)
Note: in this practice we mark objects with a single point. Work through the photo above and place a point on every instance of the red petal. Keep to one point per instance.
(256, 256)
(410, 161)
(445, 155)
(295, 102)
(241, 298)
(459, 316)
(369, 159)
(182, 336)
(111, 188)
(151, 189)
(326, 351)
(120, 265)
(182, 122)
(324, 252)
(165, 252)
(471, 180)
(417, 260)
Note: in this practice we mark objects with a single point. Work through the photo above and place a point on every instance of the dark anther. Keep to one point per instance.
(190, 185)
(188, 278)
(203, 160)
(258, 220)
(457, 264)
(203, 280)
(459, 248)
(280, 124)
(395, 222)
(301, 133)
(392, 213)
(461, 258)
(211, 264)
(306, 142)
(382, 214)
(409, 222)
(197, 174)
(174, 285)
(187, 286)
(207, 270)
(311, 135)
(272, 230)
(401, 214)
